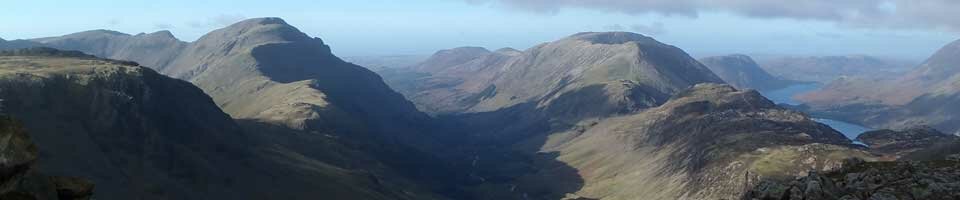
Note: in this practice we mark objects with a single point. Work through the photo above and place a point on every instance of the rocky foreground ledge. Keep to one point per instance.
(901, 180)
(19, 179)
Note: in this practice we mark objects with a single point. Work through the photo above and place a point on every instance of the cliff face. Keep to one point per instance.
(109, 122)
(141, 135)
(266, 70)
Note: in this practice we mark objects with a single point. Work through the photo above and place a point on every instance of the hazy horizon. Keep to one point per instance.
(376, 27)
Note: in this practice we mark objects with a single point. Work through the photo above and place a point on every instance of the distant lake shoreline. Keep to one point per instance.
(785, 96)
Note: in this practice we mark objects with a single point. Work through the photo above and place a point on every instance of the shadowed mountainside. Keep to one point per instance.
(621, 111)
(19, 177)
(688, 147)
(142, 135)
(595, 115)
(264, 69)
(268, 75)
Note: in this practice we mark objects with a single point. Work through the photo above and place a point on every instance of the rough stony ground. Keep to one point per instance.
(922, 163)
(918, 143)
(859, 180)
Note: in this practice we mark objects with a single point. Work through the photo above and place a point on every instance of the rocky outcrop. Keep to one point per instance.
(744, 73)
(19, 177)
(922, 163)
(870, 180)
(905, 142)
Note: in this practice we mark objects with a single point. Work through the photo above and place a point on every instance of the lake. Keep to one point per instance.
(785, 96)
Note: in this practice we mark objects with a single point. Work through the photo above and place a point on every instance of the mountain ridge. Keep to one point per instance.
(743, 72)
(139, 134)
(502, 79)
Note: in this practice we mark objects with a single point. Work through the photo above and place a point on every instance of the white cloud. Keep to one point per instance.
(915, 14)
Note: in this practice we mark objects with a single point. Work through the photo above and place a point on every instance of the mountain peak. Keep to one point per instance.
(258, 31)
(451, 57)
(163, 33)
(261, 21)
(739, 57)
(611, 37)
(101, 32)
(466, 50)
(508, 51)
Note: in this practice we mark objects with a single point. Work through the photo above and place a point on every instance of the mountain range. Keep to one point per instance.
(141, 135)
(743, 72)
(923, 96)
(261, 110)
(282, 85)
(615, 116)
(472, 79)
(824, 69)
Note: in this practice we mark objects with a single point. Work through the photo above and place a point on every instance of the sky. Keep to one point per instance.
(906, 29)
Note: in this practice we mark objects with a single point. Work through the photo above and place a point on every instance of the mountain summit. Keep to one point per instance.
(290, 91)
(262, 69)
(612, 37)
(492, 81)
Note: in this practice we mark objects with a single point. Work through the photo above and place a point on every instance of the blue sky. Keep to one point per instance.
(390, 27)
